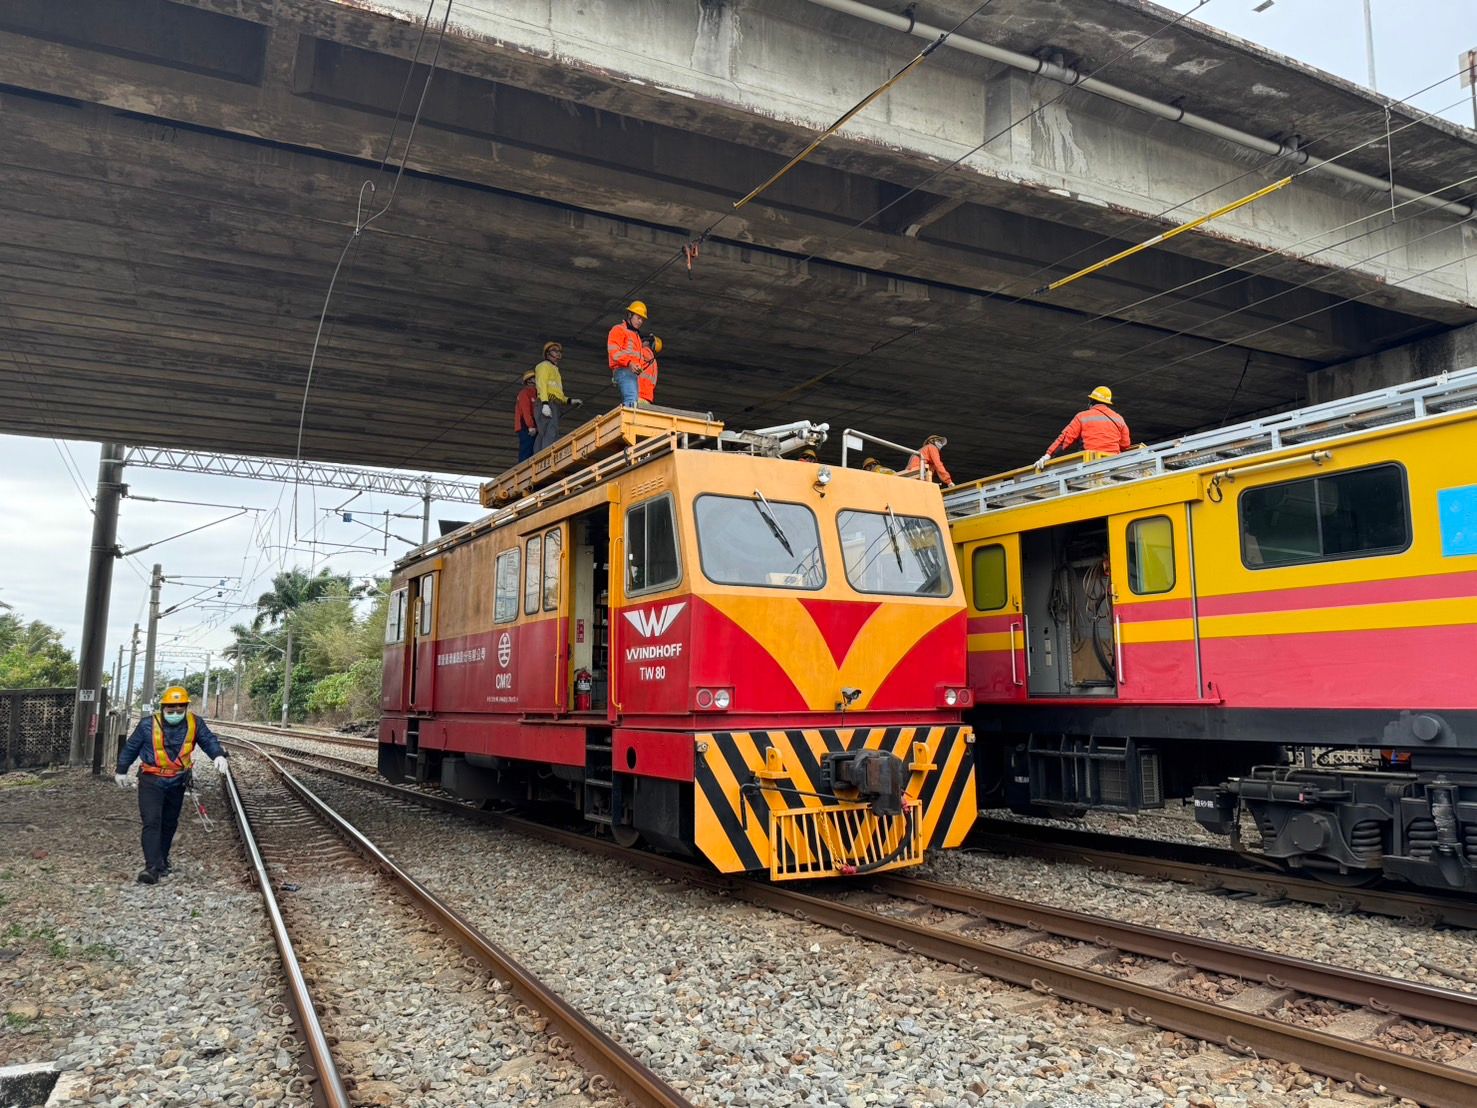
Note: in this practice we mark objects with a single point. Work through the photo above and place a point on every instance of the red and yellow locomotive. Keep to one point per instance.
(688, 639)
(1278, 618)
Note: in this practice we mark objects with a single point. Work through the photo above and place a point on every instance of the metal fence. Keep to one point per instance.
(36, 727)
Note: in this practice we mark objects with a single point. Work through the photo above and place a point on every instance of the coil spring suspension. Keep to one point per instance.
(1420, 837)
(1367, 840)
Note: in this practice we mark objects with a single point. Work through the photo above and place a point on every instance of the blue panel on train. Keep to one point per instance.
(1458, 521)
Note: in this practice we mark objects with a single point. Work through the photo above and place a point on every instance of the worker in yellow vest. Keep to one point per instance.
(164, 745)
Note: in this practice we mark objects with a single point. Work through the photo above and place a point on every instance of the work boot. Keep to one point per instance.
(148, 877)
(167, 870)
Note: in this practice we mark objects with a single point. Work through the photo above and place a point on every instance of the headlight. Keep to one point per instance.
(722, 698)
(823, 476)
(951, 697)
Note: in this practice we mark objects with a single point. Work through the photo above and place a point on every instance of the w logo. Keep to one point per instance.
(655, 622)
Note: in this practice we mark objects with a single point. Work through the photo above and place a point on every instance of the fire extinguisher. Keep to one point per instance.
(583, 683)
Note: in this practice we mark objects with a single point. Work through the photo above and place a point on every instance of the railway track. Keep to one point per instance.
(1348, 1025)
(1213, 869)
(316, 734)
(297, 842)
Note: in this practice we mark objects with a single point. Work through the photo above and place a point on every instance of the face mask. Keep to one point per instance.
(174, 717)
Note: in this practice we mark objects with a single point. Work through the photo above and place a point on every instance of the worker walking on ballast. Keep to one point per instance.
(1101, 429)
(628, 354)
(164, 744)
(550, 400)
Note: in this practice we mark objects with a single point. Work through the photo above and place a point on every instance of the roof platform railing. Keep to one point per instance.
(1075, 473)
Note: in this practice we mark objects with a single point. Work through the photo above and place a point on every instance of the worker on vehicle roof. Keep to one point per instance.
(808, 455)
(551, 398)
(646, 381)
(164, 744)
(930, 457)
(523, 422)
(628, 356)
(1101, 429)
(872, 465)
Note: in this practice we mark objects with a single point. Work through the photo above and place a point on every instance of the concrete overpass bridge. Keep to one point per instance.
(178, 179)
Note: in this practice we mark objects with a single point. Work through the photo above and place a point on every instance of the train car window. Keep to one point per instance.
(1151, 555)
(395, 620)
(987, 566)
(651, 547)
(769, 543)
(532, 586)
(428, 603)
(898, 555)
(1357, 514)
(505, 587)
(553, 541)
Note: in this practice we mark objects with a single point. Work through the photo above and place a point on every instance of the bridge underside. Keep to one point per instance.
(179, 180)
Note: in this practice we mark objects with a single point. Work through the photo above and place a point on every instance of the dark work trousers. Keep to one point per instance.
(526, 438)
(159, 803)
(548, 425)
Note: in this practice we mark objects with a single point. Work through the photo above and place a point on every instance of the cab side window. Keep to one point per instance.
(505, 587)
(651, 547)
(1355, 514)
(531, 570)
(395, 618)
(987, 568)
(1151, 555)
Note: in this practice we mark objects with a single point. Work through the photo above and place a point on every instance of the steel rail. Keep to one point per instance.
(330, 1088)
(1408, 999)
(595, 1050)
(314, 734)
(1367, 1067)
(1211, 868)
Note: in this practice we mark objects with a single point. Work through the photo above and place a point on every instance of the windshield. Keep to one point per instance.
(898, 555)
(743, 541)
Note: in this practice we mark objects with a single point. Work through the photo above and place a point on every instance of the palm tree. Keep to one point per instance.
(289, 592)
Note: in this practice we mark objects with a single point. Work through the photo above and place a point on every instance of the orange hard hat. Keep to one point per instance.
(637, 307)
(175, 694)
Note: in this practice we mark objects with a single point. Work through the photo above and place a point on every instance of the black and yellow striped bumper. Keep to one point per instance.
(757, 804)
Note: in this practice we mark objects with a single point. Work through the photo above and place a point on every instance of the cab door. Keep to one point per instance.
(543, 641)
(1154, 635)
(423, 644)
(991, 569)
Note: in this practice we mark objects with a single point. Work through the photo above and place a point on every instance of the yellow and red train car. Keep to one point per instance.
(1232, 616)
(753, 659)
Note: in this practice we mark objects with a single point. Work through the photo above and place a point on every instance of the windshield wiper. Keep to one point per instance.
(767, 512)
(893, 526)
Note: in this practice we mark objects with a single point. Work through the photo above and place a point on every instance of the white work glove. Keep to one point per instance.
(547, 411)
(1041, 462)
(220, 763)
(576, 403)
(122, 780)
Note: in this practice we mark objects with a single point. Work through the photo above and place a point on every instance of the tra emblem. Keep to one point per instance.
(504, 649)
(655, 622)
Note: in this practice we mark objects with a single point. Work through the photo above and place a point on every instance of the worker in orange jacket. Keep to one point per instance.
(646, 380)
(523, 423)
(930, 457)
(628, 355)
(1101, 429)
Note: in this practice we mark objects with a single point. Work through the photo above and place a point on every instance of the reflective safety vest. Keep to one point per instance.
(1101, 429)
(624, 350)
(164, 765)
(646, 382)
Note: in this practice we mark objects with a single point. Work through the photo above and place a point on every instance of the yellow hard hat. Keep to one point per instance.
(528, 375)
(175, 694)
(809, 454)
(869, 463)
(1102, 394)
(656, 346)
(638, 307)
(553, 346)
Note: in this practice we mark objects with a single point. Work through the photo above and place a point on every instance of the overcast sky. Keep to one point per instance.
(47, 522)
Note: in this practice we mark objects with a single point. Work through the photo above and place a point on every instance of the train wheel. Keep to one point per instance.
(1357, 879)
(625, 835)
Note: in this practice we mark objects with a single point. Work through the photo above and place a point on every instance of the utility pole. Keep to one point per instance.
(425, 514)
(85, 719)
(236, 708)
(1468, 62)
(128, 698)
(287, 676)
(156, 582)
(205, 689)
